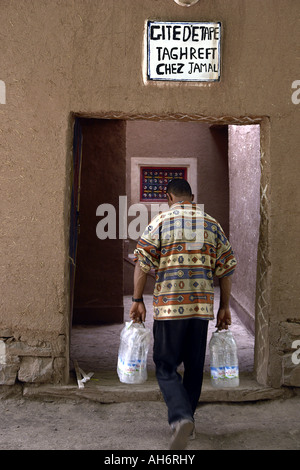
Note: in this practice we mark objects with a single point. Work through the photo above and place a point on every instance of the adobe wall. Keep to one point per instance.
(244, 177)
(170, 140)
(77, 56)
(166, 141)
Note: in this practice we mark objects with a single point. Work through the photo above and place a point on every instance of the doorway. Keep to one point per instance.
(96, 265)
(138, 138)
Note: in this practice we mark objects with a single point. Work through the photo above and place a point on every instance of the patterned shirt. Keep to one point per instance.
(187, 248)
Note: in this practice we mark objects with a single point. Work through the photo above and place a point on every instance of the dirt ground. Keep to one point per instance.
(69, 425)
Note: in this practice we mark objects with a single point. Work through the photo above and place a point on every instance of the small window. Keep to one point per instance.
(154, 181)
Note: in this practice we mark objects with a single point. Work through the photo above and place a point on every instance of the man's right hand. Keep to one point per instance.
(138, 312)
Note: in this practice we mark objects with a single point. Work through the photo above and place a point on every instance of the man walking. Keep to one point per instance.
(187, 248)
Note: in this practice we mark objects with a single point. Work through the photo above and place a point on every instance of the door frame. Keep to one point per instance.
(263, 279)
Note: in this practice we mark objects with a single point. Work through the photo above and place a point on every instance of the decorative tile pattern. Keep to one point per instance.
(154, 180)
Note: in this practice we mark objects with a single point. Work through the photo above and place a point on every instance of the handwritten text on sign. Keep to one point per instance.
(184, 51)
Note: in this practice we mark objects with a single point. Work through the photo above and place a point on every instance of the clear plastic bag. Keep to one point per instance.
(224, 365)
(133, 353)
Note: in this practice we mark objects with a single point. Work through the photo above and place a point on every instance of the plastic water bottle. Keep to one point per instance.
(224, 366)
(133, 352)
(231, 360)
(217, 364)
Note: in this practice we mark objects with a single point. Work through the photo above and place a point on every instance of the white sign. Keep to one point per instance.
(183, 51)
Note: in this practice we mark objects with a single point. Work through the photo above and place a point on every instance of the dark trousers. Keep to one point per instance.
(176, 342)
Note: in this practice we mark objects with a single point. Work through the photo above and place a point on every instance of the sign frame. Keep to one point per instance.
(185, 48)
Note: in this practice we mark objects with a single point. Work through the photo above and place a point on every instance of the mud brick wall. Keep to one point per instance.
(286, 350)
(86, 58)
(32, 361)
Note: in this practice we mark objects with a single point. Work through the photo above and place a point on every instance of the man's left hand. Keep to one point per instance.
(223, 319)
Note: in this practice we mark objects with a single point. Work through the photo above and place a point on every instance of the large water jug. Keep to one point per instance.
(133, 353)
(231, 360)
(224, 368)
(217, 364)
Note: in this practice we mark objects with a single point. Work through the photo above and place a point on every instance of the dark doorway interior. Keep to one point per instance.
(98, 281)
(103, 281)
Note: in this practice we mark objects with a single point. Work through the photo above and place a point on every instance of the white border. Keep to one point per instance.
(146, 52)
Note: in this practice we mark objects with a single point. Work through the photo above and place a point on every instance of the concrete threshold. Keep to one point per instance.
(105, 387)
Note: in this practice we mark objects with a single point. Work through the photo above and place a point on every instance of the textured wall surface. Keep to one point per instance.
(244, 177)
(77, 56)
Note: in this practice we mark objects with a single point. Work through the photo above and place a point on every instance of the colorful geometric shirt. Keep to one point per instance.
(187, 248)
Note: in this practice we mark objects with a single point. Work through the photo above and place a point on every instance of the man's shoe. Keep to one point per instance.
(182, 431)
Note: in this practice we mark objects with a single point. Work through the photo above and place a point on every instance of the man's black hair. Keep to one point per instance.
(179, 187)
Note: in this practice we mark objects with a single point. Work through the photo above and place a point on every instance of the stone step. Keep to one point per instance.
(106, 388)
